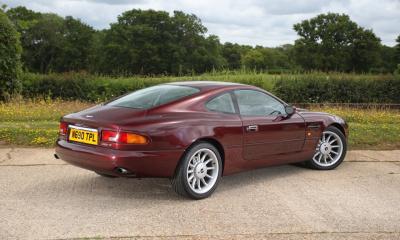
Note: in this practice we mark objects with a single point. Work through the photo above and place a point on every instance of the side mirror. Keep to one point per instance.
(290, 110)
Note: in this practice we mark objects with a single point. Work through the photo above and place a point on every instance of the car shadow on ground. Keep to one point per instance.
(89, 185)
(245, 180)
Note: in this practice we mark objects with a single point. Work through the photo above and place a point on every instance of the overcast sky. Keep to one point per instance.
(252, 22)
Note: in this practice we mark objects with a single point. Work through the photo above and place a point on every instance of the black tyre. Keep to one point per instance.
(331, 150)
(199, 171)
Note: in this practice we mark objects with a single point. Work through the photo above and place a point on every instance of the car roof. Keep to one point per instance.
(207, 85)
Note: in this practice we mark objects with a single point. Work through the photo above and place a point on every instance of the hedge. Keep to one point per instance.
(339, 88)
(293, 88)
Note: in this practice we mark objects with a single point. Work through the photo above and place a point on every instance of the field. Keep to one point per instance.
(35, 123)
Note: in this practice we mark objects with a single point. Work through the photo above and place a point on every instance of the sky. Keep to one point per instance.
(251, 22)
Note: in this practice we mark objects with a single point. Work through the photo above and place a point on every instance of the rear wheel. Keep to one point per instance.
(199, 172)
(330, 151)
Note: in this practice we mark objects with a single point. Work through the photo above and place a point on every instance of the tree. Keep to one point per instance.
(275, 58)
(365, 51)
(153, 42)
(271, 59)
(52, 43)
(232, 54)
(43, 43)
(387, 60)
(397, 47)
(332, 42)
(254, 60)
(23, 18)
(77, 47)
(10, 52)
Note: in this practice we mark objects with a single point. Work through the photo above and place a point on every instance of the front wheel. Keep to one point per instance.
(199, 172)
(330, 151)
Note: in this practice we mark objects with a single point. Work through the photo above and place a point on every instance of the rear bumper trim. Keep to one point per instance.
(105, 160)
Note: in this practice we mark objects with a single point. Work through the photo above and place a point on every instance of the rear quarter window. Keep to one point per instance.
(222, 103)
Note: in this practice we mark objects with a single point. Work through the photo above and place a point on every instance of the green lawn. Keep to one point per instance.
(370, 128)
(35, 123)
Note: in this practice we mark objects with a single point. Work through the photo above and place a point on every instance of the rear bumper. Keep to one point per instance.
(106, 161)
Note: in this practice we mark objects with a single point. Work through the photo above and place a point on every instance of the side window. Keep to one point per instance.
(222, 103)
(255, 103)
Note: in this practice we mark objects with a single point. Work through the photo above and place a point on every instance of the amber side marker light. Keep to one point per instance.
(123, 137)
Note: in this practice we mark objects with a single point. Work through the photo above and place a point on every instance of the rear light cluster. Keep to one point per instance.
(110, 136)
(123, 137)
(63, 130)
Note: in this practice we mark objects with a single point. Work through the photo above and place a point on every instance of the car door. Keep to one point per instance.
(267, 130)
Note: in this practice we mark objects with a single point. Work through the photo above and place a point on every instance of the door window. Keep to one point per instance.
(256, 103)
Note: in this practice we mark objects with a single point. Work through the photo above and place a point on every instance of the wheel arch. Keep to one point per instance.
(217, 145)
(338, 126)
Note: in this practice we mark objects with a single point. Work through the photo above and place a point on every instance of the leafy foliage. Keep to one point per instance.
(332, 42)
(338, 88)
(10, 53)
(52, 43)
(294, 88)
(397, 49)
(149, 42)
(262, 58)
(153, 42)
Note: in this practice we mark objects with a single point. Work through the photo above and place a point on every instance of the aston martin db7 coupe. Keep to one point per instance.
(196, 132)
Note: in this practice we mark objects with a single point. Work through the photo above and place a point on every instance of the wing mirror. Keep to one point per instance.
(290, 110)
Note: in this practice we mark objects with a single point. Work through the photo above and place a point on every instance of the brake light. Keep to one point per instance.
(123, 137)
(109, 136)
(63, 128)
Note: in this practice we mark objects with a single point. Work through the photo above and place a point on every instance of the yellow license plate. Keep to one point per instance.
(81, 135)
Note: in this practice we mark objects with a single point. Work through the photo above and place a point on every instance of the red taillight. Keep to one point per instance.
(63, 128)
(123, 137)
(109, 136)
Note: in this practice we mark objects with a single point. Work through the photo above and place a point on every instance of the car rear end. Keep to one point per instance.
(124, 138)
(105, 140)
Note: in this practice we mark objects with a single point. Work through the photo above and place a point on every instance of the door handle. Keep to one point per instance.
(252, 128)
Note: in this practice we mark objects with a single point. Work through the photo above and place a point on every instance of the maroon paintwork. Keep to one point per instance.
(174, 127)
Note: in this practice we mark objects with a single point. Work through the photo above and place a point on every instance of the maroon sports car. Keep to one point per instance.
(196, 132)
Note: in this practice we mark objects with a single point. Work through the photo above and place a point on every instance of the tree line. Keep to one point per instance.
(149, 42)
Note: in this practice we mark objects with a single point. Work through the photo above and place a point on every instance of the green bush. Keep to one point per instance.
(81, 86)
(293, 88)
(87, 87)
(10, 54)
(338, 88)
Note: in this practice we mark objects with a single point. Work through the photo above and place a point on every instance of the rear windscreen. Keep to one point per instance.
(153, 96)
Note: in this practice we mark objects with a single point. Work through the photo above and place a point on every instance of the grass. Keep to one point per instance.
(35, 123)
(370, 128)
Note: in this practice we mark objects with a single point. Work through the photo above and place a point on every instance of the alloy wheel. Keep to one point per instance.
(202, 171)
(329, 149)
